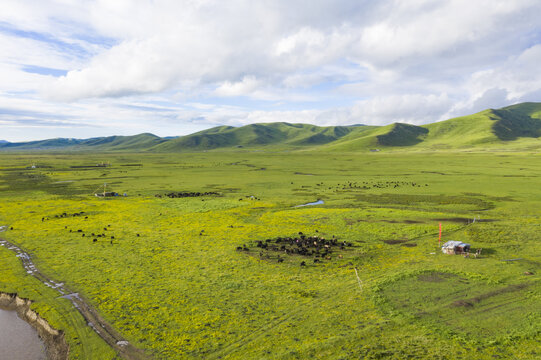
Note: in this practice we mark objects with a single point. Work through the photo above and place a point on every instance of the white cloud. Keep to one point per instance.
(412, 108)
(246, 86)
(328, 62)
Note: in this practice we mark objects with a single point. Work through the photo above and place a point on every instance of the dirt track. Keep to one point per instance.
(93, 319)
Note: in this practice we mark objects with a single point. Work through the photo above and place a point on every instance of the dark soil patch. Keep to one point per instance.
(461, 303)
(435, 200)
(409, 245)
(455, 219)
(88, 166)
(394, 242)
(433, 172)
(464, 220)
(487, 295)
(413, 222)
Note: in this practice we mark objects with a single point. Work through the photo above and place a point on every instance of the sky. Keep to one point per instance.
(80, 69)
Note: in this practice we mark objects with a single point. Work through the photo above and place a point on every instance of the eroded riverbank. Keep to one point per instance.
(125, 349)
(55, 344)
(18, 340)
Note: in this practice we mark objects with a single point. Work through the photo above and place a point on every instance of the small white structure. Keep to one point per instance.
(455, 247)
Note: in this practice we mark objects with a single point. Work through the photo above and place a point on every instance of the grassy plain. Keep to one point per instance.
(174, 283)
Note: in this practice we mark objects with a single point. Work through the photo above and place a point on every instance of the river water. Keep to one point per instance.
(319, 202)
(18, 340)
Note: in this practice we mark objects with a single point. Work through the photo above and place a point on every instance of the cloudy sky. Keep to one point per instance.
(77, 68)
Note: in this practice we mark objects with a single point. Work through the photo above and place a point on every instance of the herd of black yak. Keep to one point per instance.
(365, 185)
(185, 194)
(315, 247)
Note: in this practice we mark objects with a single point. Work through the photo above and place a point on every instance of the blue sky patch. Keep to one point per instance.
(33, 69)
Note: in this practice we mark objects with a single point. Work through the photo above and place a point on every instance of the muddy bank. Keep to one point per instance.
(55, 344)
(19, 340)
(101, 327)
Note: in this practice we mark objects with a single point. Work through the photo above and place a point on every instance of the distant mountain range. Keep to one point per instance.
(516, 127)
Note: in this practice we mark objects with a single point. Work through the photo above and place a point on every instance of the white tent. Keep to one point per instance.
(455, 247)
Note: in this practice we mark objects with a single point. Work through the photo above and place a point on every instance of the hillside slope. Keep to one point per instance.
(277, 135)
(516, 127)
(513, 127)
(109, 143)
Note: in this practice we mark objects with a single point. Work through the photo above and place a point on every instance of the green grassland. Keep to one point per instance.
(174, 284)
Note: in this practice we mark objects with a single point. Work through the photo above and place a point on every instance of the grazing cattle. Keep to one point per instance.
(94, 240)
(137, 235)
(307, 246)
(83, 235)
(303, 263)
(79, 231)
(112, 237)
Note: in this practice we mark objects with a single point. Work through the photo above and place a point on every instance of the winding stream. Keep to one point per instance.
(93, 319)
(319, 202)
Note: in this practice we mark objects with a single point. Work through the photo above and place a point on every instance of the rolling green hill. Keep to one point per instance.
(516, 127)
(257, 135)
(109, 143)
(136, 142)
